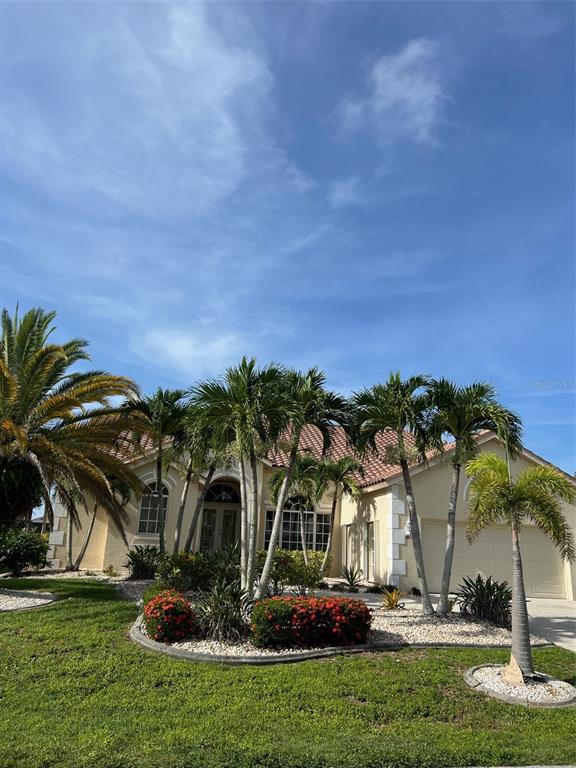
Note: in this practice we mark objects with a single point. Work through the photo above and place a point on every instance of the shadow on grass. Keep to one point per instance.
(65, 588)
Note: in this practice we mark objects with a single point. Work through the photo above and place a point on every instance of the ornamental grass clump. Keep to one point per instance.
(169, 618)
(304, 622)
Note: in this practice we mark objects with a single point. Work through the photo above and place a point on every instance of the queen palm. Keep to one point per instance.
(163, 415)
(246, 411)
(307, 403)
(400, 405)
(58, 427)
(535, 495)
(462, 413)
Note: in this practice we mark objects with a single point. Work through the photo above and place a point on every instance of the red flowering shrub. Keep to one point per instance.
(310, 621)
(168, 617)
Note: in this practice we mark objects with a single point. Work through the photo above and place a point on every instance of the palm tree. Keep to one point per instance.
(203, 459)
(163, 414)
(342, 475)
(246, 411)
(400, 405)
(463, 413)
(59, 431)
(308, 404)
(305, 484)
(536, 495)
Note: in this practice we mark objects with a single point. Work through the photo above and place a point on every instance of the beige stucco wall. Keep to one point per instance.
(373, 508)
(108, 548)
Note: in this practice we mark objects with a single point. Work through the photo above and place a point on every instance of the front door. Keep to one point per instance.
(219, 528)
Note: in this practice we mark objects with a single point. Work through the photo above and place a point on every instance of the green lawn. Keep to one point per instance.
(75, 692)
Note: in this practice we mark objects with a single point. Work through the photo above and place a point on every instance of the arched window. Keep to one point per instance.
(149, 508)
(223, 493)
(316, 525)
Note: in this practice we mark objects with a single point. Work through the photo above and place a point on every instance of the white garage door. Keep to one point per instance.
(491, 555)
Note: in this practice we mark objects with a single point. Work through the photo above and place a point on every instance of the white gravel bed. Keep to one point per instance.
(410, 626)
(12, 600)
(388, 628)
(543, 691)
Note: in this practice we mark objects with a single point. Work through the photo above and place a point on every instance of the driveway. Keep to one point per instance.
(555, 620)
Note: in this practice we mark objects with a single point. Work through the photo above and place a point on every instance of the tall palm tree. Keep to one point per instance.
(400, 405)
(58, 428)
(342, 476)
(536, 495)
(246, 411)
(305, 484)
(308, 404)
(203, 460)
(462, 413)
(163, 415)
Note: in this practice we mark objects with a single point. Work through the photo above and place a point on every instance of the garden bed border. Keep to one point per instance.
(29, 593)
(471, 681)
(139, 638)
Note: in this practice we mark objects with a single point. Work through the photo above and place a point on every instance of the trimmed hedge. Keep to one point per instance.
(168, 617)
(304, 622)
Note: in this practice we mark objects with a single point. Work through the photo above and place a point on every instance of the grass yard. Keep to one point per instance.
(75, 692)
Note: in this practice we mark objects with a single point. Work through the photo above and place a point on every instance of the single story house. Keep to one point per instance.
(371, 533)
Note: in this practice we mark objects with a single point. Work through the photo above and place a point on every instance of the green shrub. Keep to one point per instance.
(142, 562)
(282, 572)
(310, 622)
(306, 576)
(222, 611)
(486, 600)
(168, 617)
(225, 564)
(185, 571)
(21, 549)
(290, 569)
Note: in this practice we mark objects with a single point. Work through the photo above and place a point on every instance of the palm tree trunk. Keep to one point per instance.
(86, 539)
(243, 522)
(303, 537)
(69, 563)
(450, 536)
(521, 665)
(276, 524)
(198, 508)
(160, 502)
(253, 527)
(330, 532)
(427, 608)
(179, 519)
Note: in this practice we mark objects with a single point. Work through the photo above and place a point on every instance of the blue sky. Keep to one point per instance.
(363, 186)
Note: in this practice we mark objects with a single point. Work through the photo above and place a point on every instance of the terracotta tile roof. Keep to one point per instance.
(376, 470)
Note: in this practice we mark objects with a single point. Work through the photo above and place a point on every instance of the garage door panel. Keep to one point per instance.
(491, 555)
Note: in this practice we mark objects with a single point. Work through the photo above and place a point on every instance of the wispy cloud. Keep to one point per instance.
(344, 192)
(161, 116)
(406, 94)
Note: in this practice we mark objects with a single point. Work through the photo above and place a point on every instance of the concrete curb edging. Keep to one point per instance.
(471, 681)
(52, 598)
(139, 638)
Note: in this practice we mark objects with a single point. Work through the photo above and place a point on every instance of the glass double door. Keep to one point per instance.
(220, 528)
